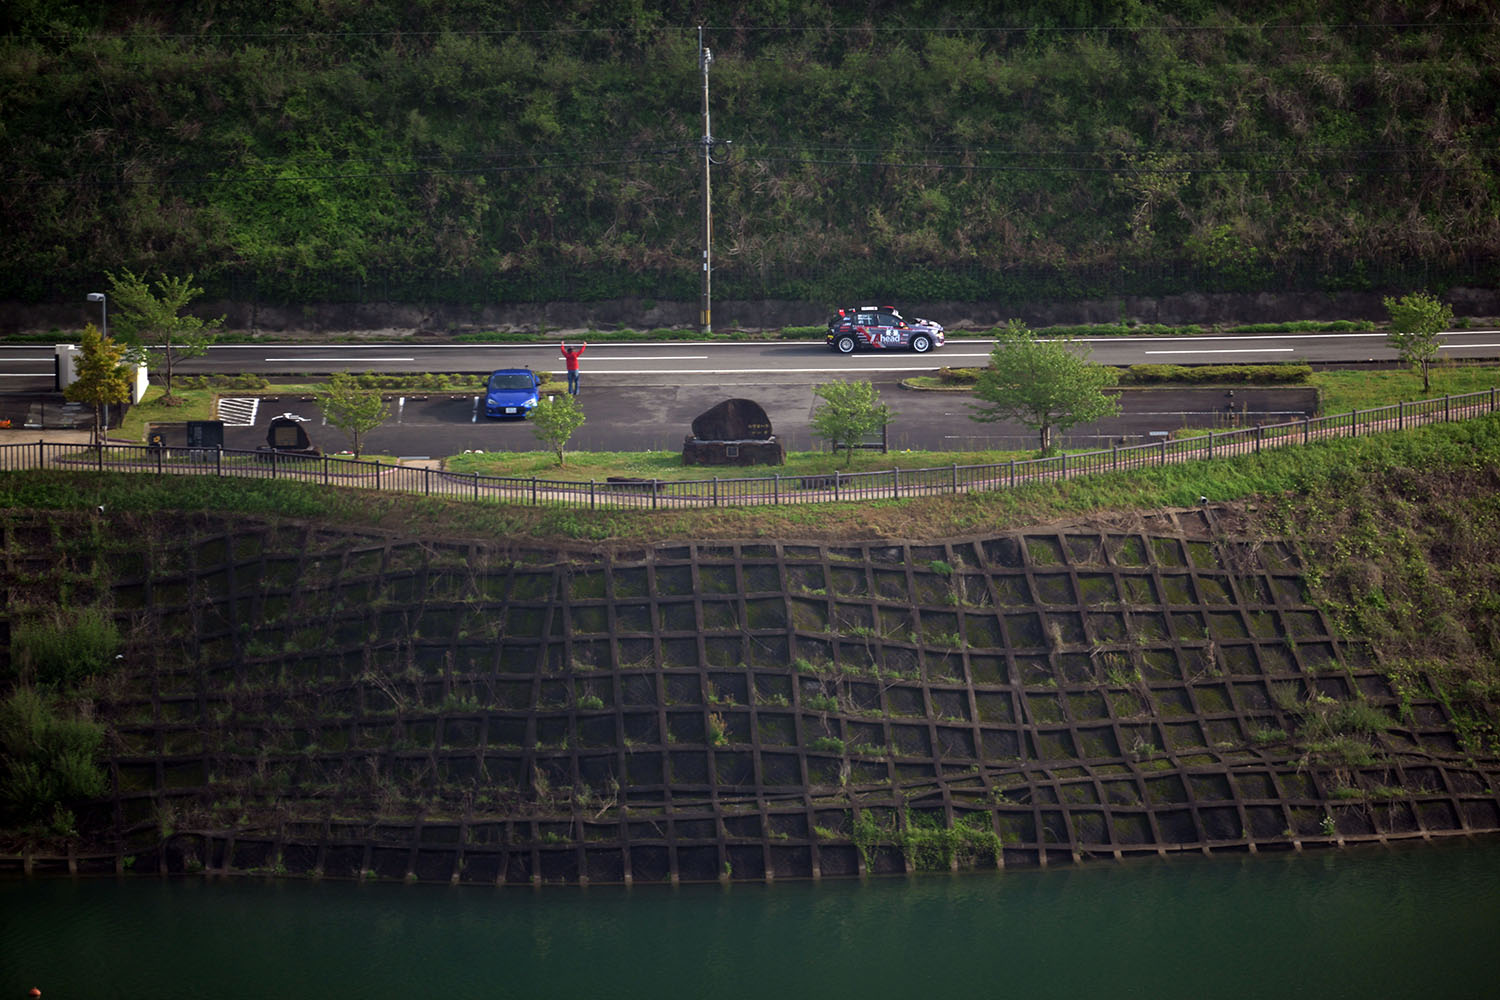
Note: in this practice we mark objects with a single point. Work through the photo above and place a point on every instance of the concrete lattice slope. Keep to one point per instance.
(306, 700)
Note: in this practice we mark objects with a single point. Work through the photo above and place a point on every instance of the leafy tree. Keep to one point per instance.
(1043, 384)
(554, 419)
(850, 411)
(102, 376)
(1416, 320)
(155, 319)
(351, 409)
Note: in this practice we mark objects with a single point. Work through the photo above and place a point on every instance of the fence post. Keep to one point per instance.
(533, 491)
(426, 481)
(219, 461)
(955, 477)
(1492, 399)
(776, 489)
(1114, 457)
(1210, 444)
(1012, 473)
(835, 484)
(716, 491)
(1445, 406)
(655, 490)
(896, 483)
(1260, 432)
(1163, 451)
(159, 452)
(476, 485)
(100, 463)
(1354, 423)
(41, 454)
(1401, 416)
(1064, 474)
(325, 470)
(1306, 430)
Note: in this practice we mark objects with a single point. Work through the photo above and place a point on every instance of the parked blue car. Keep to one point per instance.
(512, 392)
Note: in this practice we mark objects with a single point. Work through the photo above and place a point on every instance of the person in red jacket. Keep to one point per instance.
(572, 357)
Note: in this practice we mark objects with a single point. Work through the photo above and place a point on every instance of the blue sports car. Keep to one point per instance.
(512, 392)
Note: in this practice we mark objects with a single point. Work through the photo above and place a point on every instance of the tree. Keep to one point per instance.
(1416, 320)
(553, 421)
(102, 376)
(351, 409)
(155, 318)
(850, 412)
(1043, 384)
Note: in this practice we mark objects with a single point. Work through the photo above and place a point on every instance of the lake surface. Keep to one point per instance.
(1368, 923)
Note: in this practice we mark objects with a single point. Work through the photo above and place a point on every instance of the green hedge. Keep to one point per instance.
(1217, 375)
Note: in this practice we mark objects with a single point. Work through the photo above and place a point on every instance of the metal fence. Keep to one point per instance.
(659, 494)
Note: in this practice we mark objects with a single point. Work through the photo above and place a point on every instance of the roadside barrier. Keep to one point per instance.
(776, 489)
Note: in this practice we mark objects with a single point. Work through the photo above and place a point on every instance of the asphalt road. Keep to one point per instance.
(29, 367)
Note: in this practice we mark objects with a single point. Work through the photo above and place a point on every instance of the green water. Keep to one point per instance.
(1409, 923)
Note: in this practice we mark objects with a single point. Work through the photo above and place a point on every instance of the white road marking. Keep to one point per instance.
(239, 411)
(352, 357)
(1227, 350)
(400, 407)
(1449, 347)
(474, 417)
(655, 357)
(25, 374)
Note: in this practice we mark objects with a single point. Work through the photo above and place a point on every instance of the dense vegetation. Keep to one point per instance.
(462, 151)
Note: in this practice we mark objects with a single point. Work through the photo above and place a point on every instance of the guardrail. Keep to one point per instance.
(657, 494)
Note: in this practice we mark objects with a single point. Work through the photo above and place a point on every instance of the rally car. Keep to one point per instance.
(881, 328)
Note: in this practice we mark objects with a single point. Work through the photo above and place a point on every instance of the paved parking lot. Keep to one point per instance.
(658, 417)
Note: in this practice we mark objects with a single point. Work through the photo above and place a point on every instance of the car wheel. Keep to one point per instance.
(921, 343)
(846, 344)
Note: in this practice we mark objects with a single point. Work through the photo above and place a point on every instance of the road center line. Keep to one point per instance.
(352, 358)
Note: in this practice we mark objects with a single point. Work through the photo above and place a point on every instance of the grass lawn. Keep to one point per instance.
(193, 404)
(1342, 391)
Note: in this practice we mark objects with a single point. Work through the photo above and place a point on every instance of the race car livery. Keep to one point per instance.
(881, 328)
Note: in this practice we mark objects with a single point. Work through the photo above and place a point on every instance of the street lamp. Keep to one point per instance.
(103, 301)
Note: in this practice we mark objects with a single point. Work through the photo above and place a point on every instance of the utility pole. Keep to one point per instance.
(705, 318)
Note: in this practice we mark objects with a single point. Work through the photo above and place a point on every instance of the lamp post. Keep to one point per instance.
(103, 301)
(705, 314)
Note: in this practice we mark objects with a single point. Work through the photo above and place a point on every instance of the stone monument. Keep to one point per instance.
(736, 432)
(285, 436)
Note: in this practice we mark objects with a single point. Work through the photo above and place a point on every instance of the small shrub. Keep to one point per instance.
(65, 646)
(48, 761)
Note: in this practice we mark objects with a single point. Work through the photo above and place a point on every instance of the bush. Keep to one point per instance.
(49, 762)
(1217, 375)
(65, 646)
(247, 380)
(959, 376)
